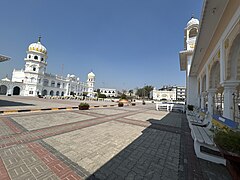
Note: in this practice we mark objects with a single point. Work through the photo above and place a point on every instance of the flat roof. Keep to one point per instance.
(4, 58)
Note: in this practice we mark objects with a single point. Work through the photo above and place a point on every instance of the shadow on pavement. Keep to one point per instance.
(5, 103)
(153, 155)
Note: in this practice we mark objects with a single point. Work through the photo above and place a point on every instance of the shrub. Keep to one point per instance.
(102, 96)
(123, 96)
(228, 140)
(83, 106)
(120, 104)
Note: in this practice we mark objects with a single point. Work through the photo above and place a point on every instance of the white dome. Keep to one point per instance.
(193, 21)
(5, 79)
(91, 74)
(37, 47)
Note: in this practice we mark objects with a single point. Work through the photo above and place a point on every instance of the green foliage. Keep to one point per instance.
(84, 93)
(120, 104)
(145, 91)
(130, 92)
(83, 105)
(102, 96)
(123, 96)
(228, 140)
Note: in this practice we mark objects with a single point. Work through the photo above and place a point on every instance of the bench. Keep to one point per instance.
(204, 146)
(170, 107)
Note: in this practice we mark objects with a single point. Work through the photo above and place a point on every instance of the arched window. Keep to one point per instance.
(193, 32)
(53, 83)
(45, 82)
(44, 92)
(32, 79)
(42, 59)
(58, 85)
(34, 68)
(29, 56)
(36, 57)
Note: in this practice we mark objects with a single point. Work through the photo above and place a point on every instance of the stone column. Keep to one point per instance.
(229, 90)
(203, 100)
(211, 93)
(199, 100)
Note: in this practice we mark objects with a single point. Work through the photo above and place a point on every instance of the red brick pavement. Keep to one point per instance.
(57, 166)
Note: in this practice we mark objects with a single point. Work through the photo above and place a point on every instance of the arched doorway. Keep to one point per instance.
(3, 90)
(62, 94)
(51, 93)
(57, 93)
(44, 92)
(16, 90)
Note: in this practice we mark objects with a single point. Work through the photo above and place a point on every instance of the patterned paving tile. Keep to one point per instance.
(33, 122)
(94, 146)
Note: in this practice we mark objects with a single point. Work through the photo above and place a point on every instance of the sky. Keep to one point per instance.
(126, 43)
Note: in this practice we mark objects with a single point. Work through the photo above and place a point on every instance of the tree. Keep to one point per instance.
(102, 96)
(145, 91)
(130, 92)
(123, 96)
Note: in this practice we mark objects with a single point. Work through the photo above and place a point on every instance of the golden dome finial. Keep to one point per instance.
(39, 38)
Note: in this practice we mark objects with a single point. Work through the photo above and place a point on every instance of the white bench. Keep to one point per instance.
(203, 139)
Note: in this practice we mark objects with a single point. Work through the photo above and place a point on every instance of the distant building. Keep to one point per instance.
(108, 92)
(33, 79)
(168, 93)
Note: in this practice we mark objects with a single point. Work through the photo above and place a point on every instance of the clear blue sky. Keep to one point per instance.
(127, 43)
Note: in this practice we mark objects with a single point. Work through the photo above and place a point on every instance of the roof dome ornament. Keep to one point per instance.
(91, 75)
(37, 47)
(39, 39)
(193, 21)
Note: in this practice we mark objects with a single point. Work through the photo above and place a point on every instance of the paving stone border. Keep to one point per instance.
(72, 165)
(50, 109)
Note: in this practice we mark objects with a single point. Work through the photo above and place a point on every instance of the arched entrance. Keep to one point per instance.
(51, 93)
(44, 92)
(3, 90)
(16, 90)
(57, 93)
(62, 94)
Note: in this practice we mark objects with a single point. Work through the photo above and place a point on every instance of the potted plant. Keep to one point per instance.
(120, 104)
(143, 102)
(83, 106)
(228, 142)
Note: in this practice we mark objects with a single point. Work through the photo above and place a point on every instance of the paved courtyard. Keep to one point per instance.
(101, 143)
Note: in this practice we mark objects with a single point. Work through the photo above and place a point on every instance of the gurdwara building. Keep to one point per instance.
(33, 80)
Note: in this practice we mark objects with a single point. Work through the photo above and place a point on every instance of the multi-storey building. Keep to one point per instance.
(108, 92)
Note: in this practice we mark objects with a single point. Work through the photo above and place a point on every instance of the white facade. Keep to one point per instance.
(33, 79)
(213, 67)
(108, 92)
(169, 93)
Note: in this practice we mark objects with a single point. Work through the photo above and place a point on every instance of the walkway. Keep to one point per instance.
(103, 143)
